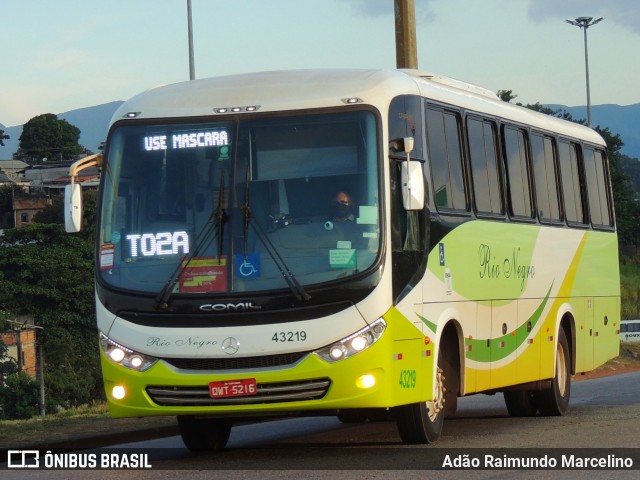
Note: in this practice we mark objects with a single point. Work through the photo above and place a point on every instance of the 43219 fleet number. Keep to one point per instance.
(407, 379)
(297, 336)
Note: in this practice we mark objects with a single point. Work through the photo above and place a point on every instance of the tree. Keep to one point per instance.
(19, 396)
(3, 137)
(6, 206)
(47, 137)
(506, 95)
(48, 274)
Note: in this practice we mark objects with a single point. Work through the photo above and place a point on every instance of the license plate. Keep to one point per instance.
(233, 388)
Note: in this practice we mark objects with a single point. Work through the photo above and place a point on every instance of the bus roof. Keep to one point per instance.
(305, 89)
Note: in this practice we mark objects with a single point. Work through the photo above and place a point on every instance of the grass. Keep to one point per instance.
(629, 353)
(74, 424)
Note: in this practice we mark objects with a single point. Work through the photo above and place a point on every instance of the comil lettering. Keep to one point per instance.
(152, 244)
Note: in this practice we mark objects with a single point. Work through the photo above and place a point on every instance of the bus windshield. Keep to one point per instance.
(240, 206)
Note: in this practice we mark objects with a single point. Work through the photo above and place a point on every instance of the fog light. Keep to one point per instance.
(118, 392)
(366, 381)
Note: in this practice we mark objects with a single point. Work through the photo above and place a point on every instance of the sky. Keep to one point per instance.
(60, 55)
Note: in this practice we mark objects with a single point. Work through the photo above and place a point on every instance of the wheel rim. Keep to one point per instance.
(435, 406)
(561, 370)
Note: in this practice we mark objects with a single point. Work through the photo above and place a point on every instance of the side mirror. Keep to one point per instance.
(410, 176)
(73, 208)
(412, 185)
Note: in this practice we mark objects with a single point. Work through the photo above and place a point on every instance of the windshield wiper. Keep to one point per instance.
(296, 288)
(215, 225)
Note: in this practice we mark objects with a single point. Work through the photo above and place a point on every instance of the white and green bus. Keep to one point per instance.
(478, 252)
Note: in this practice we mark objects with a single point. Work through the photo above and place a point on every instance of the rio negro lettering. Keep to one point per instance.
(509, 267)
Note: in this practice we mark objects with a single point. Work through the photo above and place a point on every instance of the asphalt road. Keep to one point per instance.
(604, 413)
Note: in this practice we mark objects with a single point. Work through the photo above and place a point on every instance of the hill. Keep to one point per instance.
(623, 120)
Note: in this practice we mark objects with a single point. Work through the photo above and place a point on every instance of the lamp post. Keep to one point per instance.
(192, 68)
(584, 23)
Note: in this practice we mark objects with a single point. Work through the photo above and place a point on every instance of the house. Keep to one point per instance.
(25, 208)
(21, 343)
(5, 180)
(14, 169)
(53, 176)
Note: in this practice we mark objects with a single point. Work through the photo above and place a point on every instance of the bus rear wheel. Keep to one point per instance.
(520, 403)
(420, 423)
(554, 401)
(204, 433)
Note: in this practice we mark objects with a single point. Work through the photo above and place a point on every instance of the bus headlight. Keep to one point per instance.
(353, 344)
(125, 356)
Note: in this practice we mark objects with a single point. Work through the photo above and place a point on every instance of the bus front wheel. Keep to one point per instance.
(204, 433)
(420, 423)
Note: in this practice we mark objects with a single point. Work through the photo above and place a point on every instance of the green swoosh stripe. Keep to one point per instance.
(512, 340)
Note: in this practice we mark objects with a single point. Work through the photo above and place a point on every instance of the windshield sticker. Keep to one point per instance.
(342, 258)
(163, 243)
(367, 215)
(204, 275)
(106, 256)
(247, 267)
(343, 244)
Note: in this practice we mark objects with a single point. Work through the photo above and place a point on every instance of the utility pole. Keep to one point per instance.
(584, 23)
(406, 51)
(192, 68)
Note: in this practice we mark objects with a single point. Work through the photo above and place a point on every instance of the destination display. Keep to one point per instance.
(178, 141)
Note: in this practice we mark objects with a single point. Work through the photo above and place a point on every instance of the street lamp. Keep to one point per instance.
(584, 23)
(192, 68)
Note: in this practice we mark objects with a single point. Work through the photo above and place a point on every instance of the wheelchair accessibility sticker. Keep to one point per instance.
(247, 267)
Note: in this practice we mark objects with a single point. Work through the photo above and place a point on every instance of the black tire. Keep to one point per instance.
(420, 423)
(520, 403)
(451, 372)
(554, 401)
(204, 433)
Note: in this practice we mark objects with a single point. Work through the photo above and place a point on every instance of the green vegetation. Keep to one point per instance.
(47, 274)
(630, 285)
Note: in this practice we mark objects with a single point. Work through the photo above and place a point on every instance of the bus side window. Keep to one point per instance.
(544, 171)
(518, 191)
(484, 166)
(597, 188)
(571, 184)
(445, 159)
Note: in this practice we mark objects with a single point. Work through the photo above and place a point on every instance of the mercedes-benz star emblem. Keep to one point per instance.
(230, 346)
